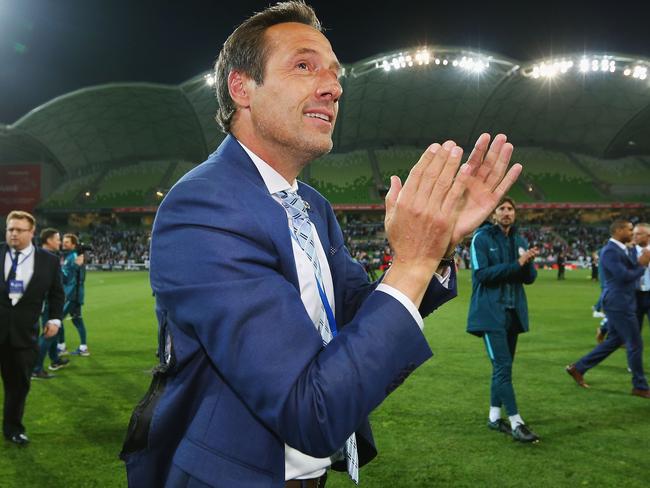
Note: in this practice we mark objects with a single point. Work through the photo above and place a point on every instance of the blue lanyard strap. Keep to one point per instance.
(15, 263)
(323, 297)
(328, 309)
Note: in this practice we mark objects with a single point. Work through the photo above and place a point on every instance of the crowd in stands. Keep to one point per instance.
(111, 247)
(364, 236)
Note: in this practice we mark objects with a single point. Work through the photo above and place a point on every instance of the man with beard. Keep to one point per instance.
(501, 264)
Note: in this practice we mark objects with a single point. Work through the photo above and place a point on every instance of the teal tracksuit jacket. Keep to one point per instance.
(497, 279)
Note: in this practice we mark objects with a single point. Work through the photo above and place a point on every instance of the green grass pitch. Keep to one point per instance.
(430, 432)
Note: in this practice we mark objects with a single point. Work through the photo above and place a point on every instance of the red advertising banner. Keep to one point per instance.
(20, 187)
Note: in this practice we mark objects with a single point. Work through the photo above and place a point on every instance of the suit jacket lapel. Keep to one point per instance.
(3, 285)
(260, 201)
(38, 265)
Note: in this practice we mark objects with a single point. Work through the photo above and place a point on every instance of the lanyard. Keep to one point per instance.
(321, 292)
(15, 263)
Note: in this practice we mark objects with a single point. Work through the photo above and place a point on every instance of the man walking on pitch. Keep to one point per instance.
(50, 241)
(501, 264)
(622, 270)
(30, 275)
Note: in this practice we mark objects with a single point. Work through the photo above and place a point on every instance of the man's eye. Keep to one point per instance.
(302, 66)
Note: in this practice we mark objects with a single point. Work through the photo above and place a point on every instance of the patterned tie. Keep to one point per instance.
(302, 232)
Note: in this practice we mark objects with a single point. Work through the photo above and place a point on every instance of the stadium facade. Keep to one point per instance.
(580, 123)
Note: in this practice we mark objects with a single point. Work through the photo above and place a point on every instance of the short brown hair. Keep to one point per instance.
(505, 199)
(22, 215)
(47, 233)
(73, 238)
(618, 224)
(245, 50)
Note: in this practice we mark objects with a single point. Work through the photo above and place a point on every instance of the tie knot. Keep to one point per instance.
(291, 200)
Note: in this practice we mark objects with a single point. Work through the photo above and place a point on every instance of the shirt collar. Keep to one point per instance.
(23, 252)
(273, 180)
(619, 244)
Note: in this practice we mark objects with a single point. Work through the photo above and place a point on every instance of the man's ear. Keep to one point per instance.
(238, 86)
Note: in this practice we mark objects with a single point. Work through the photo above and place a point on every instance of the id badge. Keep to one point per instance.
(16, 288)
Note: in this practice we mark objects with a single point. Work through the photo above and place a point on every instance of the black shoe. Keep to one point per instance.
(60, 363)
(500, 425)
(42, 375)
(523, 434)
(19, 439)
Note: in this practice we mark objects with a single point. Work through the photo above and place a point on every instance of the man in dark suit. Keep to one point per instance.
(621, 270)
(275, 348)
(30, 276)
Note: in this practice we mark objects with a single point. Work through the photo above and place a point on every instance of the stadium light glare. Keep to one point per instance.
(627, 71)
(209, 79)
(584, 65)
(445, 62)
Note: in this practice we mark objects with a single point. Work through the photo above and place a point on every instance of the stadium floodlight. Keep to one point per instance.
(627, 71)
(210, 80)
(584, 65)
(445, 62)
(87, 194)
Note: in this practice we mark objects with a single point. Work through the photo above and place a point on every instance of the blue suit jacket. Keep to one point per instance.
(621, 274)
(247, 372)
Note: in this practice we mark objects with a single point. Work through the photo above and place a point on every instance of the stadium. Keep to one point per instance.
(98, 161)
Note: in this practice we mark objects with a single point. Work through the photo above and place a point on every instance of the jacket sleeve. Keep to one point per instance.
(218, 274)
(55, 295)
(620, 272)
(481, 269)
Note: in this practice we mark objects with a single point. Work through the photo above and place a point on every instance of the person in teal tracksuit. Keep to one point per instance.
(502, 263)
(74, 277)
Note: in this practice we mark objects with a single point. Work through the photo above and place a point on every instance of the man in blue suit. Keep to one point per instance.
(622, 269)
(274, 346)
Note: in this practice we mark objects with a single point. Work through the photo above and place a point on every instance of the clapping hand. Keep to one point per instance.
(486, 183)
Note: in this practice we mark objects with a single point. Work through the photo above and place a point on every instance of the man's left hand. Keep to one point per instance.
(486, 183)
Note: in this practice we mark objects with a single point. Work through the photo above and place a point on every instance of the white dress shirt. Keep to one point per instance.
(644, 284)
(24, 270)
(297, 464)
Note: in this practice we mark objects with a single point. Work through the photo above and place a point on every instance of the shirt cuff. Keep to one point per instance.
(404, 300)
(444, 278)
(56, 322)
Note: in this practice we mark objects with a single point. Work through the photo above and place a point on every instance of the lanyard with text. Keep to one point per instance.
(15, 263)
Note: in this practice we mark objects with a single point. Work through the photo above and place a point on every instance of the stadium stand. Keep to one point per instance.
(345, 178)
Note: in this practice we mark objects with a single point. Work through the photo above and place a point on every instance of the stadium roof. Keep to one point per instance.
(595, 104)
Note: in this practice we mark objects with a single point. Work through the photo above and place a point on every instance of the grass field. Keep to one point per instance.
(430, 432)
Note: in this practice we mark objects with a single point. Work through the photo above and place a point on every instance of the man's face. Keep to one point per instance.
(295, 107)
(624, 234)
(504, 214)
(68, 245)
(640, 235)
(53, 243)
(19, 233)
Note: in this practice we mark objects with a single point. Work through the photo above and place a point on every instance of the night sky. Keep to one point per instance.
(51, 47)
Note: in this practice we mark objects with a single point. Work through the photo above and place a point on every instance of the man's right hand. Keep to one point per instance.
(528, 256)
